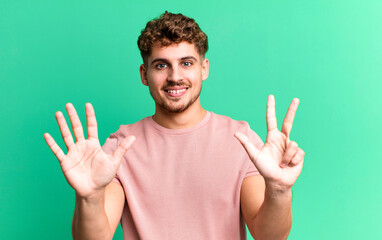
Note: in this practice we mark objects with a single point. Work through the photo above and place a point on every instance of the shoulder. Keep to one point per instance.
(123, 131)
(130, 129)
(228, 122)
(225, 123)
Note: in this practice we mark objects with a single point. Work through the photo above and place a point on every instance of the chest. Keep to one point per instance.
(189, 166)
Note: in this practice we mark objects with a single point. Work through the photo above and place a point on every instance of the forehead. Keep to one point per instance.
(174, 51)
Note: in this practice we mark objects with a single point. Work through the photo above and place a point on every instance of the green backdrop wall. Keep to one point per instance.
(327, 53)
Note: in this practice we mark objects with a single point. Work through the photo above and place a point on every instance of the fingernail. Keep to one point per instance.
(283, 165)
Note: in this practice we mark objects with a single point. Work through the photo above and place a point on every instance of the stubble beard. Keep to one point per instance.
(177, 109)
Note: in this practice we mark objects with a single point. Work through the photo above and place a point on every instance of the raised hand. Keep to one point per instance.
(280, 160)
(86, 167)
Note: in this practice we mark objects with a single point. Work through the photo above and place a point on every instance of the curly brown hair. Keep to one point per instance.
(171, 28)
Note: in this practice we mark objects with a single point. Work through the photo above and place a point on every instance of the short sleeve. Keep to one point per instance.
(256, 140)
(109, 147)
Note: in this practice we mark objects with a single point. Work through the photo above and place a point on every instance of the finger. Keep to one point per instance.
(122, 148)
(298, 158)
(75, 121)
(290, 152)
(289, 117)
(248, 146)
(65, 132)
(271, 114)
(91, 122)
(54, 147)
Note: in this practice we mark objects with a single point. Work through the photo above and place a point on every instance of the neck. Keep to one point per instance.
(186, 119)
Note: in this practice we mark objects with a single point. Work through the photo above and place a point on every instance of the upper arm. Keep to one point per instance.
(114, 204)
(252, 197)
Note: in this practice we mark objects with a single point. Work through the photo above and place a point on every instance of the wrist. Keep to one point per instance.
(92, 198)
(277, 191)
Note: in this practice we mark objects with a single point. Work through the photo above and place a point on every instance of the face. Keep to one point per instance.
(174, 75)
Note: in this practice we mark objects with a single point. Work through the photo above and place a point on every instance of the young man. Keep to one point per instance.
(180, 174)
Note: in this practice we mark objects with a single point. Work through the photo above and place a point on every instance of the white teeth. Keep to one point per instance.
(176, 91)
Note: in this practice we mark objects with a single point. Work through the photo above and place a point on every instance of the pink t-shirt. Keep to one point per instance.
(184, 183)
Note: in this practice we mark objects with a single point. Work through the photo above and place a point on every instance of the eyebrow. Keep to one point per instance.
(189, 57)
(166, 61)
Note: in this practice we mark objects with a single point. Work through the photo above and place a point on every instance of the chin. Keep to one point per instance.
(176, 106)
(175, 109)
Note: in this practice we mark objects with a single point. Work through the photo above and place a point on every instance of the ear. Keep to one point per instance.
(205, 69)
(142, 71)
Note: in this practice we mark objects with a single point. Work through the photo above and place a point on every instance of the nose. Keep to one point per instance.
(175, 74)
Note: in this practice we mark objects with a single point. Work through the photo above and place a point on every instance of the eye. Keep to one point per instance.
(161, 65)
(187, 64)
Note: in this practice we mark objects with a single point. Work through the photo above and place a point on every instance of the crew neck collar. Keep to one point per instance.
(180, 131)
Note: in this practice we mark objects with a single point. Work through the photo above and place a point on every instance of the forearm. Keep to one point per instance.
(90, 220)
(274, 219)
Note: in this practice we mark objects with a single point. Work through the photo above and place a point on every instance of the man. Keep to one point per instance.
(185, 176)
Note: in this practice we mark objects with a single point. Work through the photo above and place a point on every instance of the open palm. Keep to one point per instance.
(280, 160)
(86, 167)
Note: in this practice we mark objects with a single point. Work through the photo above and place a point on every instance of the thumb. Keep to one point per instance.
(249, 147)
(122, 148)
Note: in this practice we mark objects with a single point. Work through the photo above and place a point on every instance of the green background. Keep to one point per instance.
(327, 53)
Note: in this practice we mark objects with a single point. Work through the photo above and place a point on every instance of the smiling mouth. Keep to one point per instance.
(175, 93)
